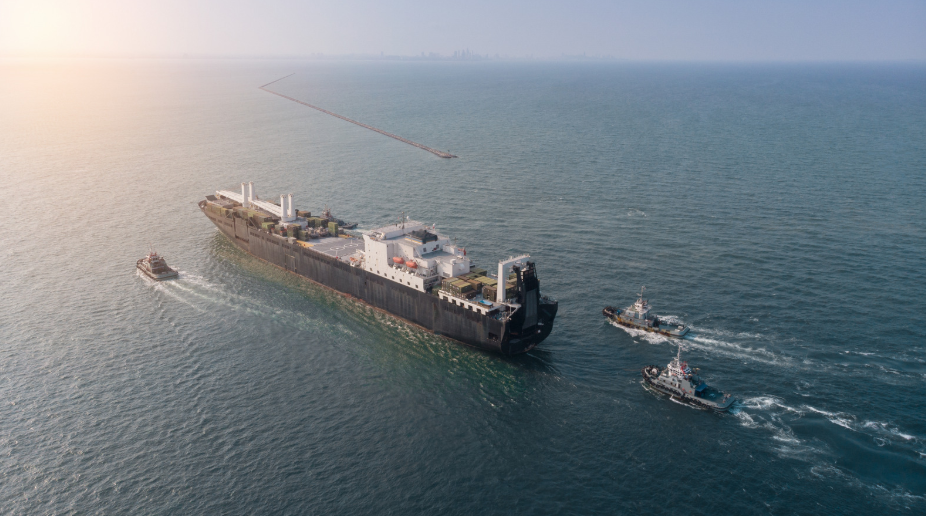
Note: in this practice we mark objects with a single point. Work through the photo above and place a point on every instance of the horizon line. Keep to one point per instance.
(432, 58)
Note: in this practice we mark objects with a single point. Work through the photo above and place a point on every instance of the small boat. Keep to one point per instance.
(637, 316)
(155, 267)
(680, 383)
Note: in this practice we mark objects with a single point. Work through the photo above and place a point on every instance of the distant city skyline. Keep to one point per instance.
(710, 30)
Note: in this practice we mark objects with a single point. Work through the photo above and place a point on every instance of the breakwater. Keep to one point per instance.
(436, 152)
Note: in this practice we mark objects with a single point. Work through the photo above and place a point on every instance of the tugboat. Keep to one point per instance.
(637, 316)
(678, 381)
(326, 214)
(155, 267)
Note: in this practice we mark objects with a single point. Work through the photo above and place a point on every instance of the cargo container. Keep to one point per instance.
(514, 327)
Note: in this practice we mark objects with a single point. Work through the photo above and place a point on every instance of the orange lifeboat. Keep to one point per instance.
(398, 260)
(411, 265)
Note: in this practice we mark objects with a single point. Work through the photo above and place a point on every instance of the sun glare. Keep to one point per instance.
(35, 27)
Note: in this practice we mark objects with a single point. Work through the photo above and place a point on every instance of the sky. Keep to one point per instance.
(694, 30)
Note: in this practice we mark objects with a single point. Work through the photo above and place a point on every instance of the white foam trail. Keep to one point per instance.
(761, 402)
(736, 351)
(709, 345)
(837, 418)
(767, 403)
(726, 333)
(671, 319)
(784, 434)
(886, 428)
(878, 430)
(652, 338)
(199, 281)
(819, 411)
(160, 287)
(745, 419)
(843, 422)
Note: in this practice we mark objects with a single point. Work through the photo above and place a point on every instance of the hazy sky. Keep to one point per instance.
(642, 30)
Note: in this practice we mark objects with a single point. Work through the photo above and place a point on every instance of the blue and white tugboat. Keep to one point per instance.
(680, 383)
(638, 316)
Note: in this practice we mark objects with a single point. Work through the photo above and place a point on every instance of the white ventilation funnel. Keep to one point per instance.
(286, 208)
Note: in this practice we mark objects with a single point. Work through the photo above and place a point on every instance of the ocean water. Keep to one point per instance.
(777, 209)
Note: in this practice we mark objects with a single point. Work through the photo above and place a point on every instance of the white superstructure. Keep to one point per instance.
(418, 256)
(412, 254)
(409, 253)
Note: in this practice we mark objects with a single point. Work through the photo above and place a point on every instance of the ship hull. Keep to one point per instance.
(422, 309)
(158, 277)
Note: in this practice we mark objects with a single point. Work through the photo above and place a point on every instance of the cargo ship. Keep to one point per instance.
(407, 269)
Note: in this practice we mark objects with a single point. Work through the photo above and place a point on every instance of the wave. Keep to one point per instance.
(789, 445)
(200, 294)
(652, 338)
(882, 427)
(671, 319)
(882, 432)
(727, 333)
(768, 402)
(738, 351)
(712, 345)
(745, 419)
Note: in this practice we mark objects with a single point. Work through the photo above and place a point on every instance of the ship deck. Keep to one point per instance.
(337, 247)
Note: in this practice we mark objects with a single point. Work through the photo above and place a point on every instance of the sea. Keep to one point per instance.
(777, 209)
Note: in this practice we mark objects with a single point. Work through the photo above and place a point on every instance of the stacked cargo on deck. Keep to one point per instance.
(298, 224)
(396, 268)
(491, 288)
(476, 282)
(459, 287)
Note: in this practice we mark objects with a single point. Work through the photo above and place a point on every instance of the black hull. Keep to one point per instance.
(507, 337)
